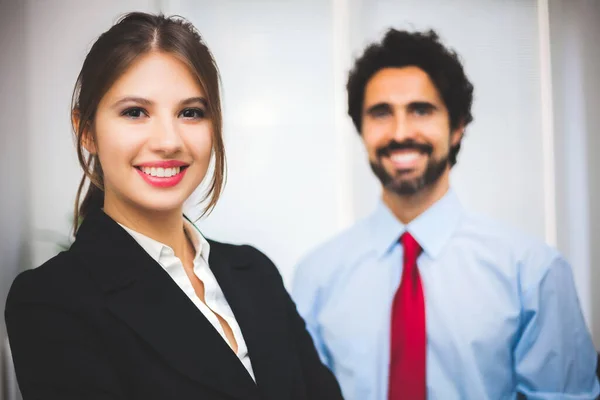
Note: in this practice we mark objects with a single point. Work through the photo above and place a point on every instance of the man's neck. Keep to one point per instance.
(407, 208)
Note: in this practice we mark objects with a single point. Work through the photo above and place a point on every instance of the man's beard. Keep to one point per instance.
(404, 186)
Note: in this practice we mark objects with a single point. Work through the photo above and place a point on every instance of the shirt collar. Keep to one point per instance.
(155, 248)
(200, 243)
(432, 229)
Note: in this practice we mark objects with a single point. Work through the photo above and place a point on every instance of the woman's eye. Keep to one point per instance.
(193, 113)
(134, 112)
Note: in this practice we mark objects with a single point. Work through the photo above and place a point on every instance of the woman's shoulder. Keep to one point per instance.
(232, 250)
(243, 256)
(59, 279)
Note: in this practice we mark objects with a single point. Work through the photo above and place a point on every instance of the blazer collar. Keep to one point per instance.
(141, 293)
(263, 319)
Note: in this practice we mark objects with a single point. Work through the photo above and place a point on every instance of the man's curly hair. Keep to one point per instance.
(425, 51)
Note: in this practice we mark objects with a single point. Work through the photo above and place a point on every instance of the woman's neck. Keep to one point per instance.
(164, 227)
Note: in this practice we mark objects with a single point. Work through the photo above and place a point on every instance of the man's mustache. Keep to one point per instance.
(405, 145)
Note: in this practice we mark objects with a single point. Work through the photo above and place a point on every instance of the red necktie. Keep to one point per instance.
(408, 338)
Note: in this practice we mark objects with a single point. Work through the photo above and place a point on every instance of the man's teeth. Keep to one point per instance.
(404, 156)
(161, 172)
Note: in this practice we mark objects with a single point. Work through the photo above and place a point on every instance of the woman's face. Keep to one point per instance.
(153, 136)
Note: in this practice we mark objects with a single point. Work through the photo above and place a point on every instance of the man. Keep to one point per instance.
(424, 299)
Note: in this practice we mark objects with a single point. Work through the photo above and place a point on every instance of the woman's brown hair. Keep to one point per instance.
(133, 36)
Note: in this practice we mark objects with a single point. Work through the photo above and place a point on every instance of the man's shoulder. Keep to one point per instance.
(523, 253)
(502, 235)
(340, 249)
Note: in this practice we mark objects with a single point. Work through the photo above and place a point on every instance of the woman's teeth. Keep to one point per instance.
(161, 172)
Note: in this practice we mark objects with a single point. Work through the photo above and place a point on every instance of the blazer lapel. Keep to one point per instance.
(142, 294)
(263, 323)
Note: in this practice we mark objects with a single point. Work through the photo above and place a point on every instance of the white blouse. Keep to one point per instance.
(213, 295)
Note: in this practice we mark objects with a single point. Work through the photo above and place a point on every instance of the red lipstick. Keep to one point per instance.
(162, 181)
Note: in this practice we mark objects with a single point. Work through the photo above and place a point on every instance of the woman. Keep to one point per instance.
(142, 306)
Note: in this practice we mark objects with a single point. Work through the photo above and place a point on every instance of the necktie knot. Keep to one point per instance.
(412, 249)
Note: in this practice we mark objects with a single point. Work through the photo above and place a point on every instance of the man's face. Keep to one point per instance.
(406, 130)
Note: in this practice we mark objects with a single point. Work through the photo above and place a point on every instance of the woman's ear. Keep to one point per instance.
(87, 137)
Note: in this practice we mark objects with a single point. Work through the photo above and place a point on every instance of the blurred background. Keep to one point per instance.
(297, 170)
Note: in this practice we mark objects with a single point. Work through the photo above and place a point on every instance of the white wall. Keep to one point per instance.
(591, 75)
(294, 164)
(275, 62)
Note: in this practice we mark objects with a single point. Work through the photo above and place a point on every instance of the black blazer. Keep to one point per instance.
(103, 320)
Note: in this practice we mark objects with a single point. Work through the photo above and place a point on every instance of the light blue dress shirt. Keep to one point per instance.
(502, 312)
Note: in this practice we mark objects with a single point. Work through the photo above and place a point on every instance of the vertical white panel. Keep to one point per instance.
(341, 64)
(547, 123)
(574, 32)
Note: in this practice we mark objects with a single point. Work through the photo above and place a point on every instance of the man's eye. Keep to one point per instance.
(423, 110)
(380, 113)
